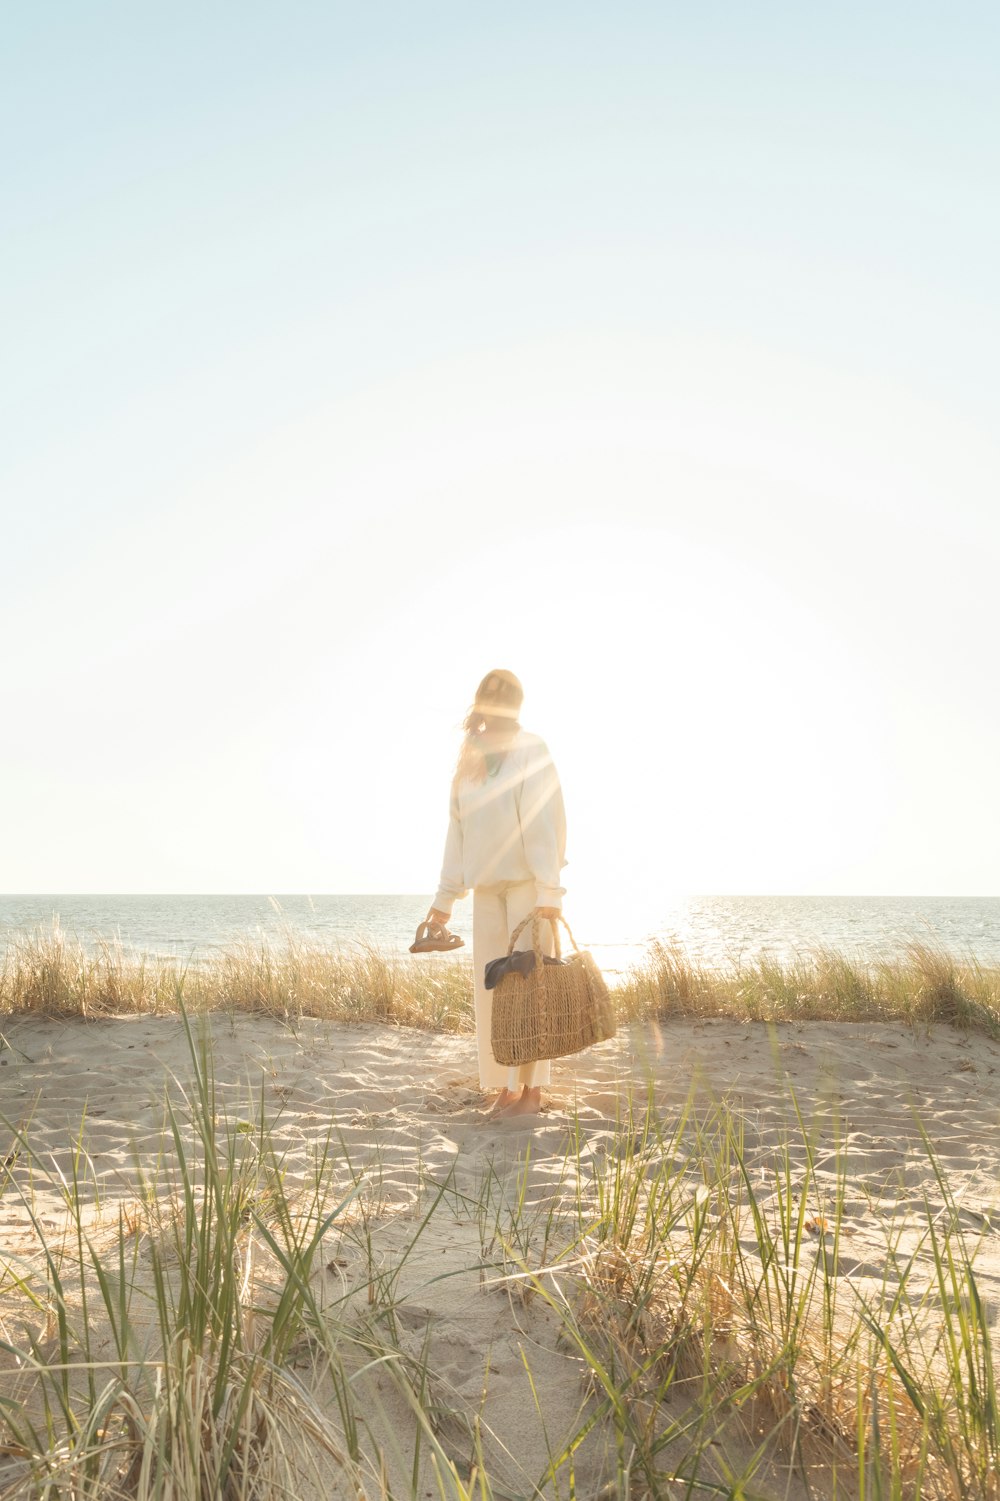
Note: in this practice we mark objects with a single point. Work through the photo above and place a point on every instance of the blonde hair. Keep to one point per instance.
(499, 696)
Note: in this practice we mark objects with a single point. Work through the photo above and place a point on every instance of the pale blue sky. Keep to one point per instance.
(649, 350)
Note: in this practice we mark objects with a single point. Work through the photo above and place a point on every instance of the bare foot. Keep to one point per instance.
(504, 1099)
(529, 1102)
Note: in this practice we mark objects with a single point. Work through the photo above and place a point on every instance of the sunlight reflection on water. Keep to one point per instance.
(713, 930)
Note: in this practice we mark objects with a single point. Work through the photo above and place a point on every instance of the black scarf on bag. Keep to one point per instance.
(521, 962)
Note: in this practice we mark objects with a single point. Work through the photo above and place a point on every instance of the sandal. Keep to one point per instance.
(434, 938)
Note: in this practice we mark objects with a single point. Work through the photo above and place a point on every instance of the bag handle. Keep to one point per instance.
(536, 934)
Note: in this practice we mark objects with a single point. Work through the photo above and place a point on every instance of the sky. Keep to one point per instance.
(648, 350)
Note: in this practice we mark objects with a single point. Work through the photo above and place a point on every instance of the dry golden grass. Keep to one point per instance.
(47, 973)
(919, 985)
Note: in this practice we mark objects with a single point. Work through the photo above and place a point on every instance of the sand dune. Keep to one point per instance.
(401, 1109)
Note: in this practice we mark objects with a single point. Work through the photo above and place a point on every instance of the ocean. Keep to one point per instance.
(716, 930)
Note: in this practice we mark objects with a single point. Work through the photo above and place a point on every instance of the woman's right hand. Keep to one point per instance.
(441, 919)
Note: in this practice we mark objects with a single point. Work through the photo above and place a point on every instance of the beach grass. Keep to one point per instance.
(47, 972)
(191, 1347)
(918, 984)
(155, 1357)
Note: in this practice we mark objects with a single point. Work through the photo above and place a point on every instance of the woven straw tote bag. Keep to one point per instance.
(556, 1009)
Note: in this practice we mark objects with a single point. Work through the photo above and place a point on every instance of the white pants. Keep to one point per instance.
(496, 912)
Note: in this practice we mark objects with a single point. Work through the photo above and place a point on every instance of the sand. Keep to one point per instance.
(402, 1109)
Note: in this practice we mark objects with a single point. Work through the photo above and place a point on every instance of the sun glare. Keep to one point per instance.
(693, 730)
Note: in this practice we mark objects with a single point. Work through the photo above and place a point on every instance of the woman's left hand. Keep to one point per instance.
(547, 912)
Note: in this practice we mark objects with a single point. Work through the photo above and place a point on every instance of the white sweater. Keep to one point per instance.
(512, 827)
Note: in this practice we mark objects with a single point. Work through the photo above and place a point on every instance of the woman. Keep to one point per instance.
(506, 842)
